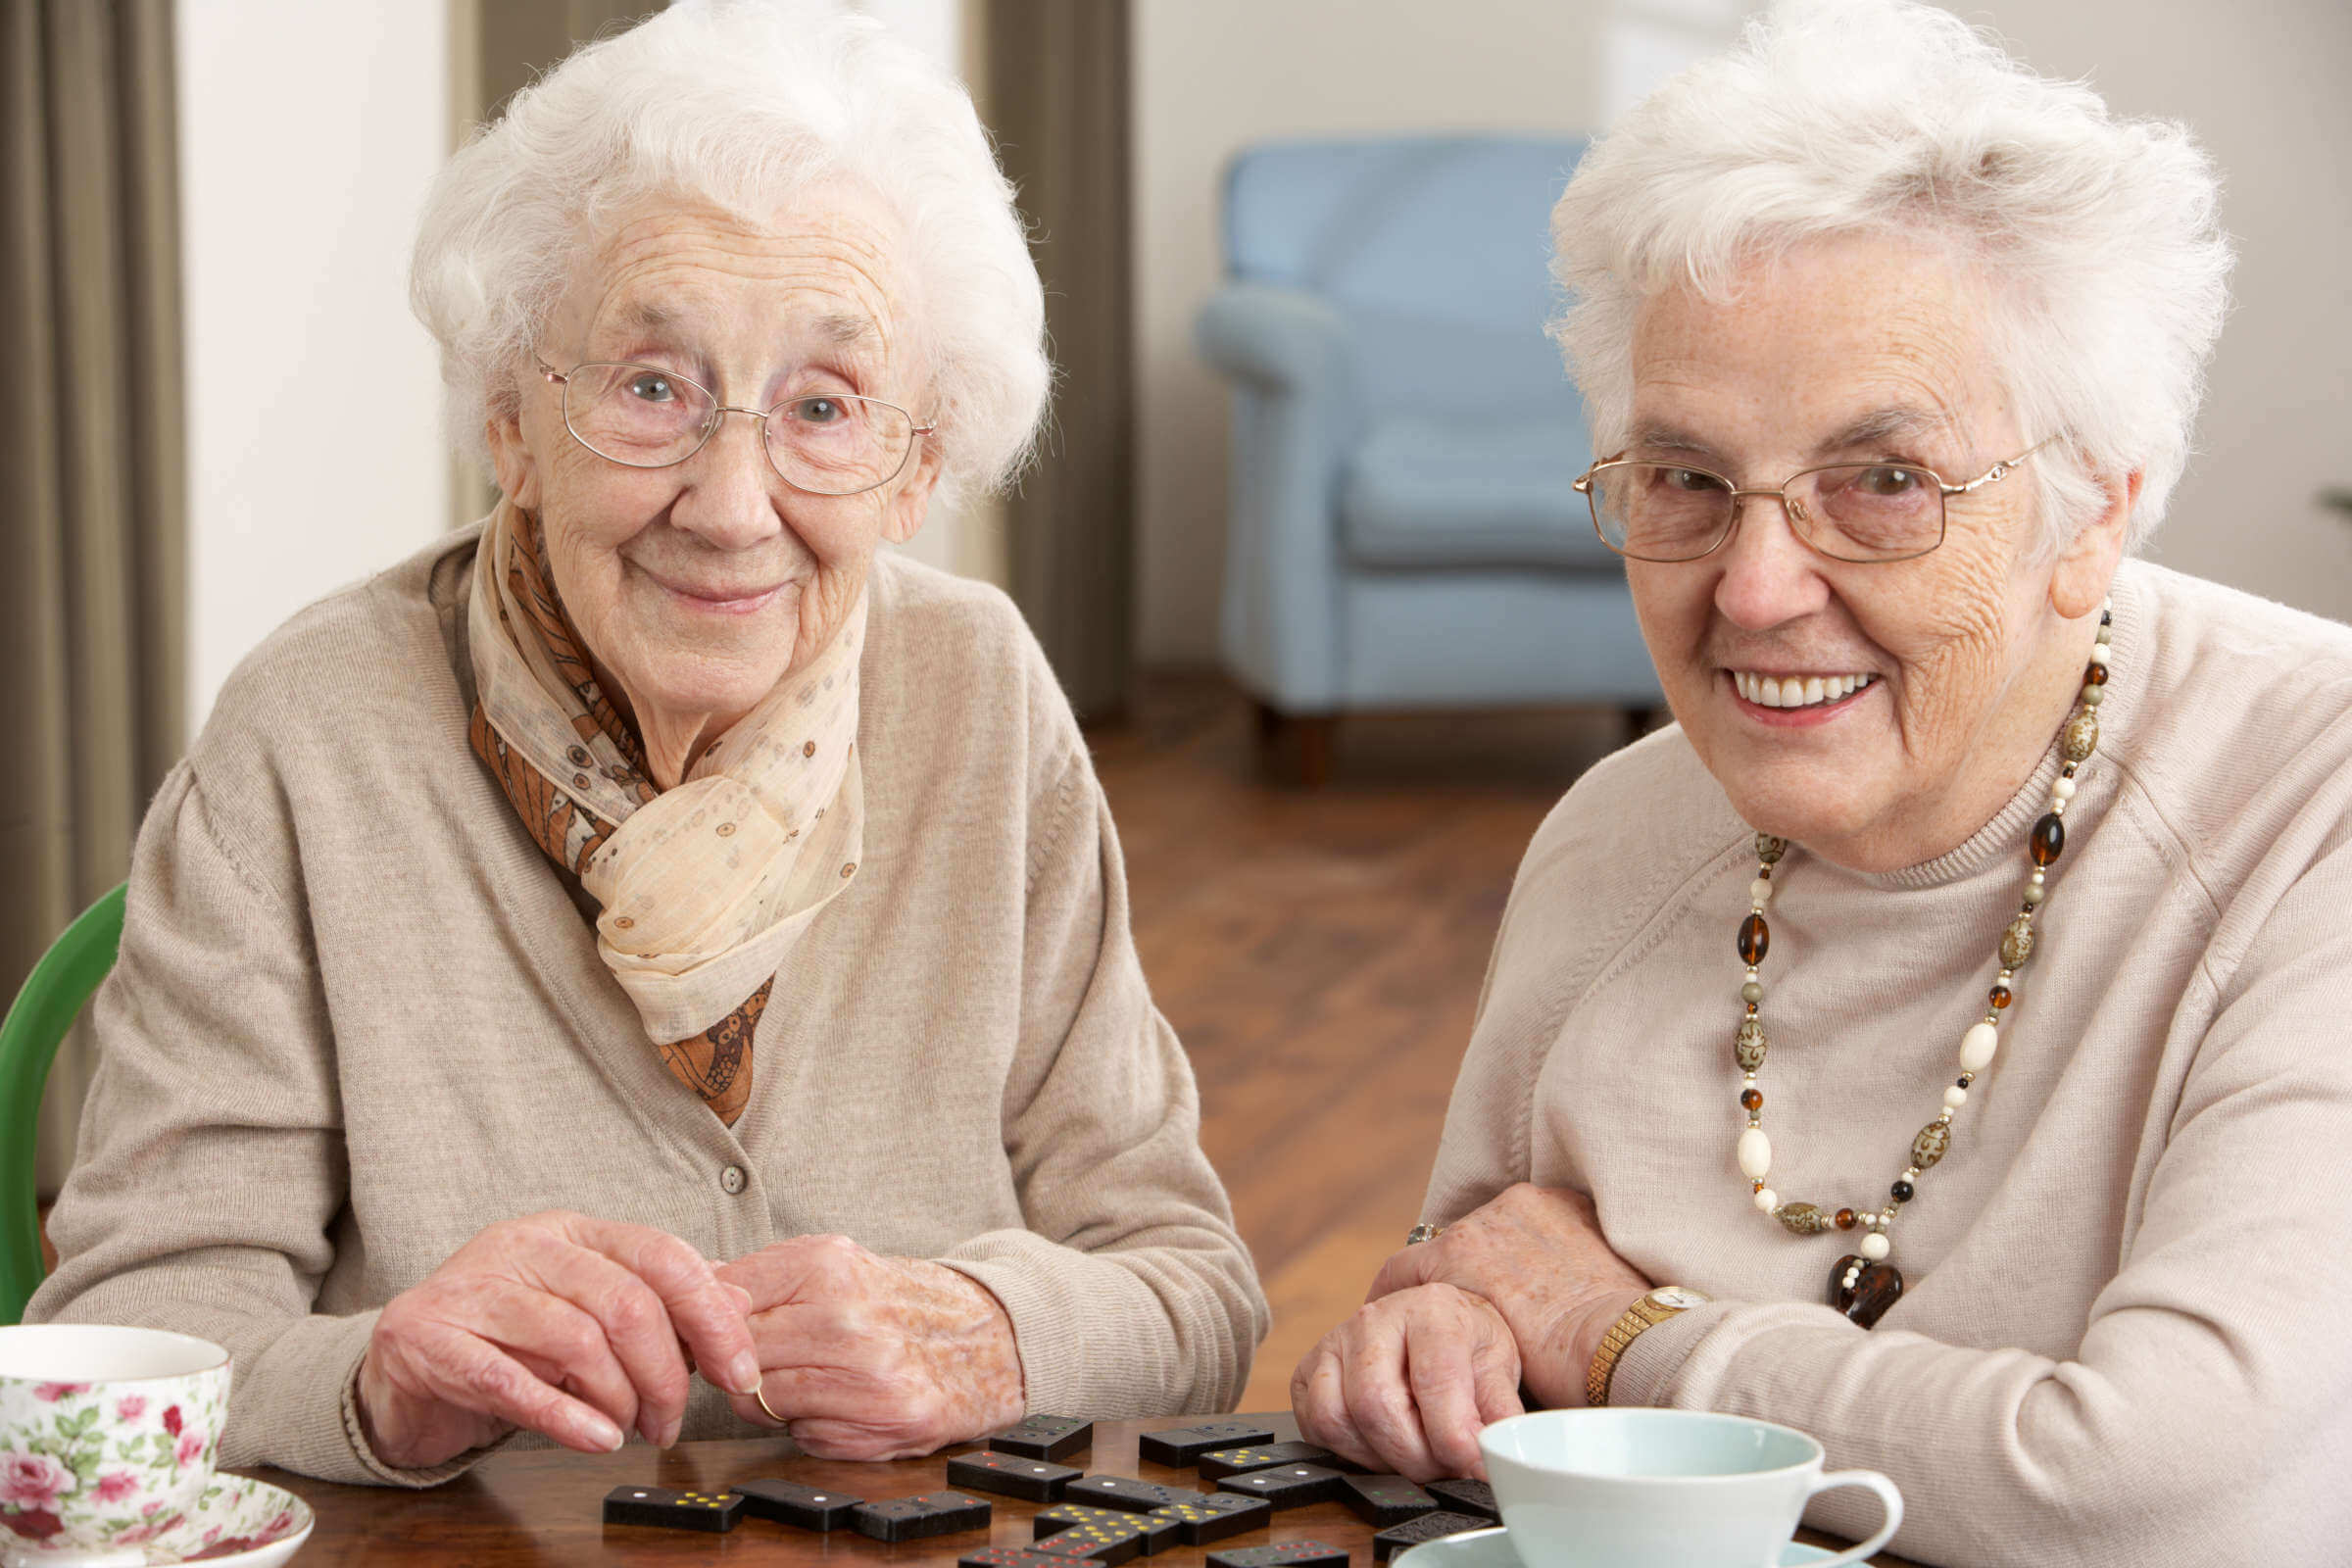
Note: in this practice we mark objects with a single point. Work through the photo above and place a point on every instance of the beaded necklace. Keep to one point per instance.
(1865, 1284)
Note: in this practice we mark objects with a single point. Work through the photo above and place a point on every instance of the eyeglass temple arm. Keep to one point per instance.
(1999, 471)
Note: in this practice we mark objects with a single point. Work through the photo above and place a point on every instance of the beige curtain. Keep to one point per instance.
(92, 596)
(1058, 103)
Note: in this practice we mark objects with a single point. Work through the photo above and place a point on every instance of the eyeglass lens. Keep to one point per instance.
(1854, 511)
(823, 443)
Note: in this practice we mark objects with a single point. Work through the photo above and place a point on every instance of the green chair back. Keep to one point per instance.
(46, 1005)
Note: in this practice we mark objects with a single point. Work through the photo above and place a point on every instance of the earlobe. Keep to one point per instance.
(903, 518)
(2085, 569)
(510, 460)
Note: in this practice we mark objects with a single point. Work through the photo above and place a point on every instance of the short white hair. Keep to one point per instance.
(739, 104)
(2098, 236)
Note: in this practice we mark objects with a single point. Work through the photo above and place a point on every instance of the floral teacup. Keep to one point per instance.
(108, 1436)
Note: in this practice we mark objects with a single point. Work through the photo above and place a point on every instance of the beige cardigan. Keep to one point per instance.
(357, 1017)
(2122, 1339)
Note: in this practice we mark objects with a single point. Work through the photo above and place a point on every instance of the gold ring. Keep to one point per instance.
(759, 1393)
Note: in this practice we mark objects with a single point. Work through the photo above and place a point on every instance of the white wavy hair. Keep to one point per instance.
(739, 104)
(2098, 236)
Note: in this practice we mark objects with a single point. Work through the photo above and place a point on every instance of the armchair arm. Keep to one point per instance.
(1288, 355)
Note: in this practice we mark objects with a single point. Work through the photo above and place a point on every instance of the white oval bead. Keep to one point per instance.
(1756, 1153)
(2098, 653)
(1759, 891)
(1767, 1200)
(1955, 1097)
(1978, 1046)
(1875, 1246)
(2062, 789)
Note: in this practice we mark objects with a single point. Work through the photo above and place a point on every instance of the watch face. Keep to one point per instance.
(1677, 1297)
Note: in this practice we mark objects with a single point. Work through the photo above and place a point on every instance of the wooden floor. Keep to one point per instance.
(1320, 956)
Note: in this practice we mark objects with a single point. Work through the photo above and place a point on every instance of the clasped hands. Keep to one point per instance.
(1516, 1295)
(583, 1327)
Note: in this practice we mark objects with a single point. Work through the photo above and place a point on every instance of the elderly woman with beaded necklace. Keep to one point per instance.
(1930, 1043)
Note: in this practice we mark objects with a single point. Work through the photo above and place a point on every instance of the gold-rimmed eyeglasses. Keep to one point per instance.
(822, 443)
(1854, 511)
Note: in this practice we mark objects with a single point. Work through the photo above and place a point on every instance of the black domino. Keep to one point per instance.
(1011, 1475)
(788, 1502)
(715, 1512)
(1125, 1492)
(1429, 1527)
(1218, 1463)
(1153, 1534)
(1287, 1485)
(1180, 1447)
(1465, 1497)
(1107, 1544)
(1382, 1500)
(1215, 1517)
(934, 1513)
(1044, 1436)
(1288, 1554)
(1009, 1557)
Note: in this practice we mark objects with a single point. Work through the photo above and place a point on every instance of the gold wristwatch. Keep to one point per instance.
(1649, 1312)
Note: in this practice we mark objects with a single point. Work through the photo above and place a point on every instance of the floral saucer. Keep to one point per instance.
(1492, 1548)
(238, 1522)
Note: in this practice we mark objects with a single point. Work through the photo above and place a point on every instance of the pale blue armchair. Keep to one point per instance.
(1403, 534)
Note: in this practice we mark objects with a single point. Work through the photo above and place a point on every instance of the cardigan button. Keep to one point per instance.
(731, 1179)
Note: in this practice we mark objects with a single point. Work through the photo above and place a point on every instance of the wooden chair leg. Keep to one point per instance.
(1282, 735)
(1315, 750)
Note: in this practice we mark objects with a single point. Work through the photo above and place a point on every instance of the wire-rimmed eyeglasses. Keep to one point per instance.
(1855, 512)
(822, 443)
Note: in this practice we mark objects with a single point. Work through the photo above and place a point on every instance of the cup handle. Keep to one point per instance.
(1888, 1497)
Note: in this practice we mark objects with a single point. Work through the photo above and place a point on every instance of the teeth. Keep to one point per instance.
(1795, 691)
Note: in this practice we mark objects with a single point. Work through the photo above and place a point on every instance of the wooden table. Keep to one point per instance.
(546, 1506)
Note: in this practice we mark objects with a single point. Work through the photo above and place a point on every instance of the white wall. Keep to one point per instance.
(2261, 85)
(308, 133)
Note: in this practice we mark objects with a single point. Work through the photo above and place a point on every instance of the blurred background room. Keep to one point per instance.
(1299, 544)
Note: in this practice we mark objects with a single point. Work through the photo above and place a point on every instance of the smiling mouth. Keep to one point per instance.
(1797, 691)
(723, 600)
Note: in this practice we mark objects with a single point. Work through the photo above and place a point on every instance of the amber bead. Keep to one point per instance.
(1755, 939)
(1900, 1191)
(2049, 840)
(1845, 1220)
(2094, 675)
(1751, 1100)
(2000, 996)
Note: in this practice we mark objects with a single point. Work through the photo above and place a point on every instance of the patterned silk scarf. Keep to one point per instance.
(704, 888)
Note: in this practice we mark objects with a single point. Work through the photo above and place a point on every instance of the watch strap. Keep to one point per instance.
(1645, 1313)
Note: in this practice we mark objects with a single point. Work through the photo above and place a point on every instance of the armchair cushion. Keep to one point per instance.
(1435, 492)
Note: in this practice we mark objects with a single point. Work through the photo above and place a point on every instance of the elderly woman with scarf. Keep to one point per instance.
(1936, 1041)
(653, 932)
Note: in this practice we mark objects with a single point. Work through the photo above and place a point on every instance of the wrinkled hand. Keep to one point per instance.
(571, 1326)
(872, 1357)
(1404, 1385)
(1538, 1255)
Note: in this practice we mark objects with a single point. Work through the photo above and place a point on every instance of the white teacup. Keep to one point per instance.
(108, 1438)
(1661, 1488)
